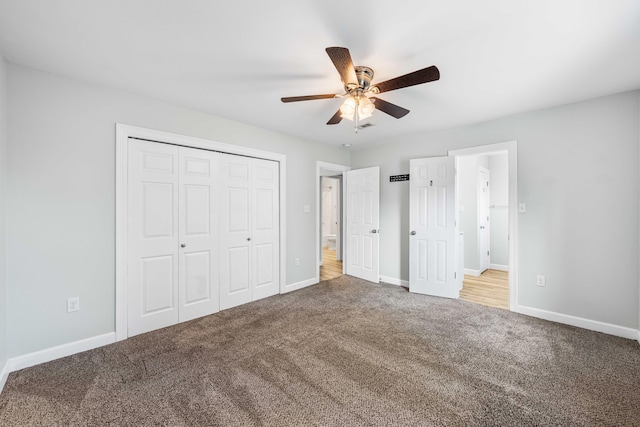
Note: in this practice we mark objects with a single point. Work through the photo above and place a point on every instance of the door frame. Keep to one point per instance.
(328, 169)
(511, 148)
(123, 133)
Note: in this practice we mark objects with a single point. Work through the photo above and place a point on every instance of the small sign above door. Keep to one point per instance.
(396, 178)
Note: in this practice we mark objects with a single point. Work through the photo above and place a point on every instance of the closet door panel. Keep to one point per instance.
(152, 236)
(199, 270)
(266, 229)
(235, 230)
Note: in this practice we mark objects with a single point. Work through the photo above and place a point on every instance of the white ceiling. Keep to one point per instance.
(235, 59)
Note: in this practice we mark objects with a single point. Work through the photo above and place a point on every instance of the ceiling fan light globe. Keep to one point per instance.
(348, 108)
(363, 115)
(366, 107)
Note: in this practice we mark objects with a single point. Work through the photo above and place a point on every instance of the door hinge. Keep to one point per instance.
(455, 275)
(430, 183)
(487, 252)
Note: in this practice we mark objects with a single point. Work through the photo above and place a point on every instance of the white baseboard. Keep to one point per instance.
(299, 285)
(48, 354)
(593, 325)
(470, 272)
(4, 373)
(499, 267)
(638, 338)
(394, 281)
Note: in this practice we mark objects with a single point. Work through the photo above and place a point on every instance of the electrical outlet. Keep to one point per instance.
(73, 304)
(297, 261)
(540, 280)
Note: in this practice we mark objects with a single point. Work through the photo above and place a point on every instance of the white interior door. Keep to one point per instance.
(152, 236)
(362, 225)
(249, 230)
(432, 250)
(265, 234)
(235, 230)
(483, 218)
(198, 230)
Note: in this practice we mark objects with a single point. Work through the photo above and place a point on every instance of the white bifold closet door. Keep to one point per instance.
(249, 229)
(173, 271)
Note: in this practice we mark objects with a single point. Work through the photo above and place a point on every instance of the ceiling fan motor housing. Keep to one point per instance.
(364, 76)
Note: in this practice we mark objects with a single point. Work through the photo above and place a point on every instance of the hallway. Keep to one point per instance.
(331, 268)
(491, 288)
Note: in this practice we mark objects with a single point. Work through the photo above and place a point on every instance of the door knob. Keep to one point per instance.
(248, 239)
(374, 231)
(413, 233)
(183, 245)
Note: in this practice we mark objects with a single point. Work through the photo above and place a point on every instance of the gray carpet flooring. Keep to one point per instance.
(341, 353)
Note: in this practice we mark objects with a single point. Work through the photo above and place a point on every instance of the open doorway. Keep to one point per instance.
(331, 227)
(483, 202)
(486, 189)
(329, 220)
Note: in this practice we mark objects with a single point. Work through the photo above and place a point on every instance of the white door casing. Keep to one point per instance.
(432, 219)
(248, 230)
(363, 223)
(483, 218)
(152, 238)
(198, 230)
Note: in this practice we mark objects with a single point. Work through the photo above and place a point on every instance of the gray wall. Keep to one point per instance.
(61, 212)
(3, 192)
(578, 173)
(499, 195)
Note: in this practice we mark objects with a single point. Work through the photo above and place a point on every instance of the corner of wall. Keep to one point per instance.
(3, 254)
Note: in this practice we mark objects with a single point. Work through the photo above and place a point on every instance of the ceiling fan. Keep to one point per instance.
(361, 99)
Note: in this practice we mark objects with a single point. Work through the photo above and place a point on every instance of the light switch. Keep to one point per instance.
(307, 208)
(522, 207)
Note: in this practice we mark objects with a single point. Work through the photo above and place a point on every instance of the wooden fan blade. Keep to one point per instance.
(307, 98)
(391, 109)
(337, 118)
(342, 60)
(425, 75)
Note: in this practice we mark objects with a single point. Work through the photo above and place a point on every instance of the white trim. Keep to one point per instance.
(580, 322)
(511, 147)
(638, 337)
(299, 285)
(394, 281)
(499, 267)
(123, 132)
(4, 374)
(470, 272)
(334, 167)
(64, 350)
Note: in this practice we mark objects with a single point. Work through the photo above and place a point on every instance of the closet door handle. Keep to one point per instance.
(413, 233)
(248, 239)
(183, 245)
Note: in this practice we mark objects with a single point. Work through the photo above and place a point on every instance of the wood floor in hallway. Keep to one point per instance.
(491, 288)
(331, 268)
